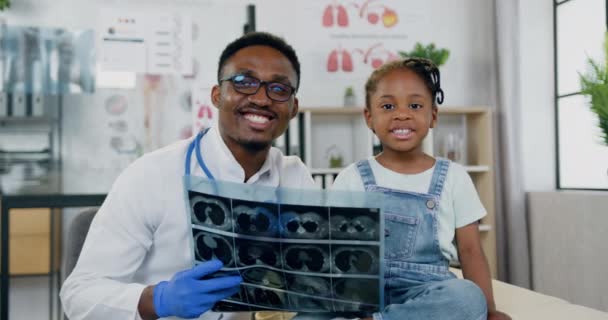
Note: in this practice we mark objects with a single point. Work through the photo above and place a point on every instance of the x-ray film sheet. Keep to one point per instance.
(296, 250)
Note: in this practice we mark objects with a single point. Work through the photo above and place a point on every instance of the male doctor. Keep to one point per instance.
(136, 262)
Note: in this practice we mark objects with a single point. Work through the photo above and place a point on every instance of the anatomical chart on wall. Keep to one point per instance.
(352, 38)
(296, 250)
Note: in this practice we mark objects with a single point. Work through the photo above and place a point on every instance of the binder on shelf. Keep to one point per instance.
(18, 106)
(3, 105)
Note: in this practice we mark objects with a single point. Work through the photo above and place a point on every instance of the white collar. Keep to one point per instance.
(222, 164)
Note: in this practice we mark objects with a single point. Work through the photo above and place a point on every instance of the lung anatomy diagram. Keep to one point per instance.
(339, 14)
(340, 59)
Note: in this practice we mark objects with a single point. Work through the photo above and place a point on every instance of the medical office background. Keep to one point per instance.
(513, 64)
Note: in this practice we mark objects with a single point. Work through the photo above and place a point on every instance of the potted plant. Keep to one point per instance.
(4, 4)
(594, 84)
(349, 97)
(438, 55)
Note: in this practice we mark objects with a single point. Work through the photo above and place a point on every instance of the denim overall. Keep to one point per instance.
(419, 284)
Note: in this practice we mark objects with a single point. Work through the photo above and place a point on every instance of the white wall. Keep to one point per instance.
(88, 160)
(86, 124)
(566, 231)
(536, 89)
(465, 27)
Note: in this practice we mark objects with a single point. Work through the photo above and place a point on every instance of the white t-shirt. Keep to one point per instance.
(140, 235)
(459, 205)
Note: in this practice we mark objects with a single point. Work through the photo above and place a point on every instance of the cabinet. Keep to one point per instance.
(30, 240)
(320, 135)
(29, 148)
(475, 125)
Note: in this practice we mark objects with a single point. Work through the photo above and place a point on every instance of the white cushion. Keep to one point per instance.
(525, 304)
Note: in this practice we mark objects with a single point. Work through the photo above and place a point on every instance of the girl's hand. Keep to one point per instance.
(497, 315)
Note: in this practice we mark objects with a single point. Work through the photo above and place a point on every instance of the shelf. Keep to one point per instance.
(326, 171)
(485, 227)
(470, 169)
(333, 110)
(24, 152)
(454, 110)
(477, 169)
(448, 110)
(346, 127)
(24, 120)
(27, 125)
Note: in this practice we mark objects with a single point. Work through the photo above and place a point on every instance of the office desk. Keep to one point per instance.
(45, 192)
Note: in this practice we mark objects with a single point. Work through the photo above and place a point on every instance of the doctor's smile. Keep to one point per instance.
(256, 118)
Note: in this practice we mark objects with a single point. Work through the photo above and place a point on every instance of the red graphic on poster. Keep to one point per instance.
(376, 55)
(342, 59)
(337, 12)
(339, 58)
(371, 10)
(204, 109)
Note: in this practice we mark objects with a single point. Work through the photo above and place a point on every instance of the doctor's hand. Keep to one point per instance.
(186, 295)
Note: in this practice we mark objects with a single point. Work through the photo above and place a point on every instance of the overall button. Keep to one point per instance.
(430, 204)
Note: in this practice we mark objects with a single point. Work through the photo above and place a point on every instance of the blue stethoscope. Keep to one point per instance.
(195, 146)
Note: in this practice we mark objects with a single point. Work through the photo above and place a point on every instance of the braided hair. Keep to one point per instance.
(424, 68)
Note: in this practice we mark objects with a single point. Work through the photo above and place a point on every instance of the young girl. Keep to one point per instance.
(431, 202)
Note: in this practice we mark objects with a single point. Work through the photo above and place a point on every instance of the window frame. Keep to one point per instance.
(557, 96)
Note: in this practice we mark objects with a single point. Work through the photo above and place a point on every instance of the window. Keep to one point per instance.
(582, 159)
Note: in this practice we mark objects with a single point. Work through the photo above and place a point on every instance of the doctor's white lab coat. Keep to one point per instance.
(140, 235)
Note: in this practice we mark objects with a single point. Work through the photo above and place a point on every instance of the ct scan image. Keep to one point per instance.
(355, 224)
(210, 246)
(355, 259)
(211, 211)
(306, 257)
(255, 218)
(304, 222)
(258, 253)
(292, 257)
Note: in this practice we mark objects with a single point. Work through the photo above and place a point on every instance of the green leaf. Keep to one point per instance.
(4, 4)
(594, 84)
(438, 56)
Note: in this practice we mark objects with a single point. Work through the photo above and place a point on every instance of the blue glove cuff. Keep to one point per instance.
(159, 308)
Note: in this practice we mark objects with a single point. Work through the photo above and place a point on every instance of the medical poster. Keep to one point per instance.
(343, 41)
(296, 250)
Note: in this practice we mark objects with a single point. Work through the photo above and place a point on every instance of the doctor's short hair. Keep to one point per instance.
(260, 39)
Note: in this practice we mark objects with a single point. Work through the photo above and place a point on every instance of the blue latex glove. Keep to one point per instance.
(187, 296)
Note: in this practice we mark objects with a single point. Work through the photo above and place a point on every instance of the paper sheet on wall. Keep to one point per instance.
(145, 42)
